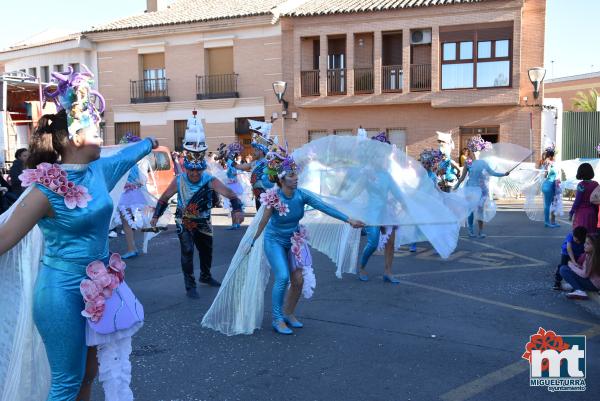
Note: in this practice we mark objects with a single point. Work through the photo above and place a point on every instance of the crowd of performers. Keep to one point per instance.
(69, 310)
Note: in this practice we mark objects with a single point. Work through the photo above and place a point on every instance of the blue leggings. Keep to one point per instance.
(373, 233)
(277, 255)
(548, 192)
(470, 221)
(57, 306)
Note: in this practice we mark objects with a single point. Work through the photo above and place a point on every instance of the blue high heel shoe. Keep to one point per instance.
(286, 331)
(295, 324)
(390, 279)
(129, 255)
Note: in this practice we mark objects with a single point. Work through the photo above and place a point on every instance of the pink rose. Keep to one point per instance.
(295, 249)
(94, 309)
(89, 290)
(62, 180)
(70, 185)
(116, 264)
(62, 190)
(103, 280)
(44, 166)
(107, 291)
(70, 201)
(114, 282)
(53, 172)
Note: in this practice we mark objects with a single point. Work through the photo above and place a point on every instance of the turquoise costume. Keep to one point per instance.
(277, 242)
(479, 172)
(259, 180)
(72, 239)
(549, 190)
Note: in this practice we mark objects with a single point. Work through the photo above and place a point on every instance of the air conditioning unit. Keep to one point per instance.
(420, 37)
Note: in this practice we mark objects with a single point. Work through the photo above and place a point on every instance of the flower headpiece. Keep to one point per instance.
(130, 138)
(381, 137)
(478, 144)
(234, 149)
(261, 137)
(279, 164)
(430, 158)
(552, 149)
(598, 148)
(75, 95)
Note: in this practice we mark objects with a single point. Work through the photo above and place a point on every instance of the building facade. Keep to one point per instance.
(567, 88)
(413, 68)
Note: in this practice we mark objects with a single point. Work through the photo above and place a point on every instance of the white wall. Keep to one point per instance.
(552, 125)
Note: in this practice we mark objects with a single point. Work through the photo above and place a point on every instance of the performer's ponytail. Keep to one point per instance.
(49, 139)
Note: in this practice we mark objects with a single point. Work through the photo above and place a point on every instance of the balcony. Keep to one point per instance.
(420, 77)
(363, 80)
(149, 90)
(336, 81)
(216, 86)
(391, 78)
(309, 83)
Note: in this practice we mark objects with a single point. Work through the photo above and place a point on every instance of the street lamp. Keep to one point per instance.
(279, 88)
(536, 76)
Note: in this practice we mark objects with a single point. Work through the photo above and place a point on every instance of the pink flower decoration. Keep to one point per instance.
(114, 282)
(53, 177)
(89, 290)
(95, 269)
(103, 280)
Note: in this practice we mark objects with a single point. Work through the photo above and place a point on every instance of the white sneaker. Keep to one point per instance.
(577, 294)
(565, 286)
(112, 234)
(122, 232)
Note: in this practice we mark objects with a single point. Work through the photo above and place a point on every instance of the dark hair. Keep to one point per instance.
(19, 152)
(595, 257)
(585, 171)
(549, 153)
(580, 233)
(49, 139)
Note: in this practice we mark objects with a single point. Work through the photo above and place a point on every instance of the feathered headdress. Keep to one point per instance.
(478, 144)
(75, 95)
(430, 158)
(279, 163)
(234, 149)
(261, 136)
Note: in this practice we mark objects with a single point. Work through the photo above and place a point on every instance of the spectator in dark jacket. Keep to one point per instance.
(21, 157)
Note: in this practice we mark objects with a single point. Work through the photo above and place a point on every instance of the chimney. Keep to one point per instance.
(151, 6)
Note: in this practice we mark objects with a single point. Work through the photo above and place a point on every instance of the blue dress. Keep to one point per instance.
(549, 190)
(277, 241)
(72, 239)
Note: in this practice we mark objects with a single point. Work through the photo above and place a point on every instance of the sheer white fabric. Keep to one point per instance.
(24, 370)
(238, 306)
(114, 371)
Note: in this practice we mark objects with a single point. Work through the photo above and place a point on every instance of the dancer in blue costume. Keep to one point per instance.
(231, 153)
(261, 141)
(478, 172)
(195, 189)
(284, 210)
(374, 233)
(447, 168)
(73, 211)
(549, 186)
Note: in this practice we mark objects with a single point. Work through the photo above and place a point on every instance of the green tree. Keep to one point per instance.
(586, 102)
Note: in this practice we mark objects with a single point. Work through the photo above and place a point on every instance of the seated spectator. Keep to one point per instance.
(21, 157)
(572, 249)
(585, 274)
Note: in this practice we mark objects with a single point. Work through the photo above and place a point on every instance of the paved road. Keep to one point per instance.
(453, 330)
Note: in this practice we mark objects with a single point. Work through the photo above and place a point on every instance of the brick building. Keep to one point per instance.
(566, 88)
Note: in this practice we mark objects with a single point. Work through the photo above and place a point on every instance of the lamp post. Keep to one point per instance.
(536, 76)
(279, 88)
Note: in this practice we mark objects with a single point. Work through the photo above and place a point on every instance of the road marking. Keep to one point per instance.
(485, 245)
(501, 304)
(471, 269)
(477, 386)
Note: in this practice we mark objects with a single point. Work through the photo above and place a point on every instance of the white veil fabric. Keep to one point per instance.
(24, 369)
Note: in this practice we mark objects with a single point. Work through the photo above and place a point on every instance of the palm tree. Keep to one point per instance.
(588, 102)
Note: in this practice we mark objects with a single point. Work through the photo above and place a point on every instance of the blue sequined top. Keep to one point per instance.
(258, 178)
(75, 237)
(232, 172)
(281, 228)
(186, 190)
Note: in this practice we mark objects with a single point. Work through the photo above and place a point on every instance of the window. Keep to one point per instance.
(45, 73)
(371, 132)
(316, 134)
(397, 136)
(121, 129)
(490, 134)
(33, 72)
(75, 67)
(154, 73)
(57, 68)
(343, 132)
(477, 58)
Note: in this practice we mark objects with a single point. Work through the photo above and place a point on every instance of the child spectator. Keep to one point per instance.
(572, 249)
(585, 274)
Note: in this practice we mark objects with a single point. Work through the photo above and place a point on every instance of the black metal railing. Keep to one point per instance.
(420, 77)
(363, 80)
(391, 78)
(216, 86)
(336, 81)
(309, 83)
(149, 90)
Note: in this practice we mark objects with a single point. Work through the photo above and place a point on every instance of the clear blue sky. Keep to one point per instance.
(572, 33)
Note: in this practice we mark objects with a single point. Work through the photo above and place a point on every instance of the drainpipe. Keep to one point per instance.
(531, 135)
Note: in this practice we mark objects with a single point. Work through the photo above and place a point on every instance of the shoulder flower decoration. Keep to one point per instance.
(53, 177)
(271, 199)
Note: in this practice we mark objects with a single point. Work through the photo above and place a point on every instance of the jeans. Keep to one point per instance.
(577, 282)
(548, 192)
(204, 244)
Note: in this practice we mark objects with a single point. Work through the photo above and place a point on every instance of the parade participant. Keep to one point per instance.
(284, 241)
(71, 205)
(478, 172)
(261, 141)
(233, 180)
(195, 189)
(550, 188)
(380, 237)
(583, 212)
(447, 168)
